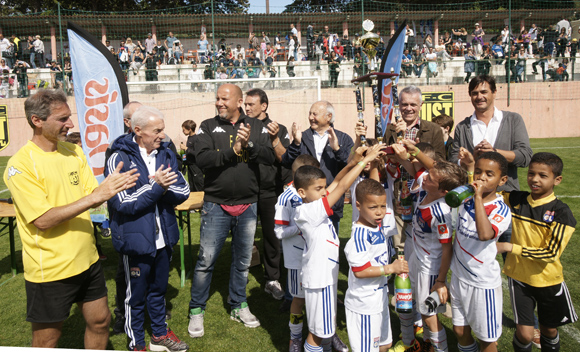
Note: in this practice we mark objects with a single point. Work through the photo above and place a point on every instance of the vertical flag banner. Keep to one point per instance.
(100, 95)
(392, 57)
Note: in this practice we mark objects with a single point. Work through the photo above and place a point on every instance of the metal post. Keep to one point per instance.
(509, 64)
(212, 27)
(61, 48)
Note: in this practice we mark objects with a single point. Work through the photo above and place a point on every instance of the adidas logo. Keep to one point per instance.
(218, 129)
(132, 164)
(264, 130)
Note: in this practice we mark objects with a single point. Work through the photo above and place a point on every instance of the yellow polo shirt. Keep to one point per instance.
(40, 181)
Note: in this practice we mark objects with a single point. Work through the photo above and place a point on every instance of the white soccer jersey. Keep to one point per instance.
(286, 229)
(366, 247)
(320, 256)
(474, 260)
(432, 226)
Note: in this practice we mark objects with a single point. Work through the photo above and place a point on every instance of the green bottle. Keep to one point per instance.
(455, 197)
(403, 294)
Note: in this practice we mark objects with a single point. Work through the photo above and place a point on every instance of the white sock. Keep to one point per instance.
(407, 331)
(439, 340)
(471, 348)
(309, 348)
(296, 330)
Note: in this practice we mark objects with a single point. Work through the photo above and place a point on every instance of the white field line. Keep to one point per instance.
(4, 190)
(556, 147)
(568, 329)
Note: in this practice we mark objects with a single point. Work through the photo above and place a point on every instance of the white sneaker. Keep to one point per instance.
(195, 327)
(243, 315)
(274, 288)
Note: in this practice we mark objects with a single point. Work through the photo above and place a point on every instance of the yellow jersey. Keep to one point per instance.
(541, 230)
(38, 182)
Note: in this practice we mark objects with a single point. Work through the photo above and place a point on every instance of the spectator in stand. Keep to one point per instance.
(124, 59)
(7, 50)
(195, 75)
(239, 50)
(428, 42)
(130, 47)
(20, 70)
(431, 58)
(137, 62)
(510, 65)
(573, 49)
(202, 52)
(407, 63)
(359, 64)
(161, 52)
(178, 52)
(561, 43)
(292, 47)
(278, 41)
(418, 63)
(498, 53)
(469, 65)
(169, 44)
(3, 65)
(293, 30)
(527, 41)
(483, 65)
(522, 56)
(442, 54)
(448, 42)
(109, 46)
(477, 39)
(345, 42)
(564, 24)
(533, 33)
(461, 36)
(506, 37)
(254, 42)
(151, 66)
(269, 54)
(149, 43)
(57, 75)
(339, 51)
(550, 36)
(409, 38)
(37, 50)
(334, 69)
(543, 62)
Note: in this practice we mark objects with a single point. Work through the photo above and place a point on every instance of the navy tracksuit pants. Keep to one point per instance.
(146, 278)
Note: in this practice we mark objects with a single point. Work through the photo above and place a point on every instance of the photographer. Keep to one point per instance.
(20, 70)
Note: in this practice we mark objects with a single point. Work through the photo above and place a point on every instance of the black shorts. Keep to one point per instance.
(555, 306)
(51, 302)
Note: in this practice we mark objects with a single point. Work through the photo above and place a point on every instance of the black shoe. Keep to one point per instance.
(119, 326)
(285, 306)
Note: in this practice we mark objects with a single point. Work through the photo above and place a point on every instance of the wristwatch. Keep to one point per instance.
(250, 144)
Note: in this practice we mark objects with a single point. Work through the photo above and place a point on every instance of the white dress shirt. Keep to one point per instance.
(488, 132)
(320, 142)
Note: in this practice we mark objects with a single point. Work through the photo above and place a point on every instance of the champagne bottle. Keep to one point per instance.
(403, 294)
(455, 197)
(406, 201)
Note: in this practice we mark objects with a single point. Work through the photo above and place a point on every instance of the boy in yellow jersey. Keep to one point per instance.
(53, 188)
(542, 227)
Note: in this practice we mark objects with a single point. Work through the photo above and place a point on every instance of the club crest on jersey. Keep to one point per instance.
(135, 272)
(442, 229)
(548, 216)
(295, 201)
(376, 342)
(73, 178)
(499, 218)
(376, 237)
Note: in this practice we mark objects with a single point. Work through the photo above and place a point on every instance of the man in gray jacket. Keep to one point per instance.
(492, 130)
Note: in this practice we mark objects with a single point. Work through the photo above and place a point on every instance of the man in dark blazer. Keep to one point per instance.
(331, 147)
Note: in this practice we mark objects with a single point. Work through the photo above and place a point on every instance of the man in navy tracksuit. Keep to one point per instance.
(329, 146)
(144, 226)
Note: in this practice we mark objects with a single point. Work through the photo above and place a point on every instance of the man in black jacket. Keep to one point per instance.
(229, 148)
(272, 180)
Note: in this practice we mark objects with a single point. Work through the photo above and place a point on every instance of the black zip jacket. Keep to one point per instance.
(231, 179)
(274, 177)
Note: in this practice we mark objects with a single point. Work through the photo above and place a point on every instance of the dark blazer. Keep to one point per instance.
(429, 132)
(331, 162)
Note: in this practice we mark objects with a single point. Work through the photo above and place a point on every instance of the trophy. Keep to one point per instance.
(369, 42)
(396, 111)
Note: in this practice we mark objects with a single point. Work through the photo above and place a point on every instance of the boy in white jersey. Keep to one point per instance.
(368, 255)
(321, 247)
(293, 247)
(476, 295)
(431, 236)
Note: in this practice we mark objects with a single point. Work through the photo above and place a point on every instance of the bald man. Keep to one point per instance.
(229, 148)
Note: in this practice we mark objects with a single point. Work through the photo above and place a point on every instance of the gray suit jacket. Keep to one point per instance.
(512, 135)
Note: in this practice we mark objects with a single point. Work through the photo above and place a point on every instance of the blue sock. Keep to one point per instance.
(309, 348)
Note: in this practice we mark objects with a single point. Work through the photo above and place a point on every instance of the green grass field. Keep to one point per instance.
(222, 334)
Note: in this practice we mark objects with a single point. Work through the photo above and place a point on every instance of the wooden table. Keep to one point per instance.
(7, 217)
(194, 202)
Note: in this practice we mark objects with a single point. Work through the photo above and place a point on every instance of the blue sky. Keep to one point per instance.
(276, 6)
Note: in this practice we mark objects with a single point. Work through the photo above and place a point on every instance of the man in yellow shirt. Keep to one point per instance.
(53, 188)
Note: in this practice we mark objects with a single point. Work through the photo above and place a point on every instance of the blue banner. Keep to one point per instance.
(100, 94)
(391, 59)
